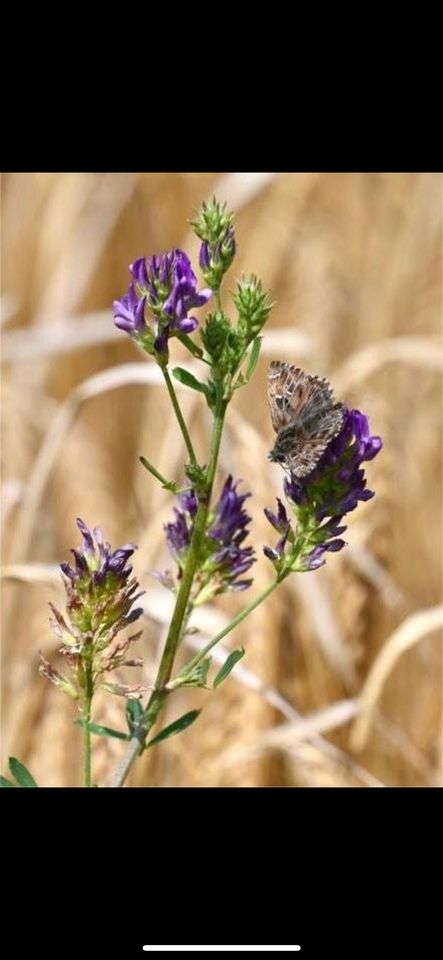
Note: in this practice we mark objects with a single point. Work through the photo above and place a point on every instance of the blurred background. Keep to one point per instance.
(341, 682)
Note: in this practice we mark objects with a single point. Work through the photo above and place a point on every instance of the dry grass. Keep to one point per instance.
(341, 684)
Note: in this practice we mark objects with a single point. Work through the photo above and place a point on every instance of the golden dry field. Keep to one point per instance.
(341, 682)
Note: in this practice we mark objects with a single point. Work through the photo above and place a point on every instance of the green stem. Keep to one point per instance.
(230, 626)
(159, 694)
(179, 415)
(89, 690)
(172, 640)
(168, 484)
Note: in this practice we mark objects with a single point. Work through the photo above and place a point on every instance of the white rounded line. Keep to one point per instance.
(286, 949)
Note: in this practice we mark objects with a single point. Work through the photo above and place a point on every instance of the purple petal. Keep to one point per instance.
(152, 293)
(188, 325)
(139, 271)
(165, 577)
(88, 543)
(270, 553)
(81, 566)
(198, 299)
(134, 615)
(123, 319)
(189, 502)
(67, 570)
(139, 315)
(128, 312)
(273, 520)
(315, 558)
(170, 305)
(279, 522)
(204, 256)
(161, 340)
(373, 447)
(315, 564)
(335, 545)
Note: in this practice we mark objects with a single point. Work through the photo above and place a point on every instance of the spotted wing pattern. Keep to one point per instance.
(303, 415)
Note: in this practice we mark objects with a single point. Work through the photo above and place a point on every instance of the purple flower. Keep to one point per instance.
(178, 536)
(183, 295)
(338, 481)
(279, 522)
(321, 500)
(228, 530)
(315, 558)
(224, 558)
(170, 286)
(178, 533)
(129, 312)
(230, 519)
(188, 501)
(100, 581)
(100, 598)
(167, 284)
(97, 560)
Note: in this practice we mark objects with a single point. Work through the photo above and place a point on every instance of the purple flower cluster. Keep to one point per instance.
(96, 561)
(100, 596)
(167, 285)
(224, 558)
(99, 590)
(228, 531)
(321, 500)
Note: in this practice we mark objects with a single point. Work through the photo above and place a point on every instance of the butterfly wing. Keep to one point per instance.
(303, 407)
(287, 393)
(311, 441)
(292, 393)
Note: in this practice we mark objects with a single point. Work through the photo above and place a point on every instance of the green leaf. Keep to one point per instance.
(183, 376)
(228, 665)
(197, 677)
(155, 473)
(253, 357)
(4, 782)
(134, 711)
(176, 727)
(102, 731)
(21, 773)
(190, 345)
(200, 673)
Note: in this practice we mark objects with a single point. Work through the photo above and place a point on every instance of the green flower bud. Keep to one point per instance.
(253, 305)
(214, 227)
(224, 344)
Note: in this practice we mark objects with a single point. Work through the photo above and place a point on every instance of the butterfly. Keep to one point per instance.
(304, 416)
